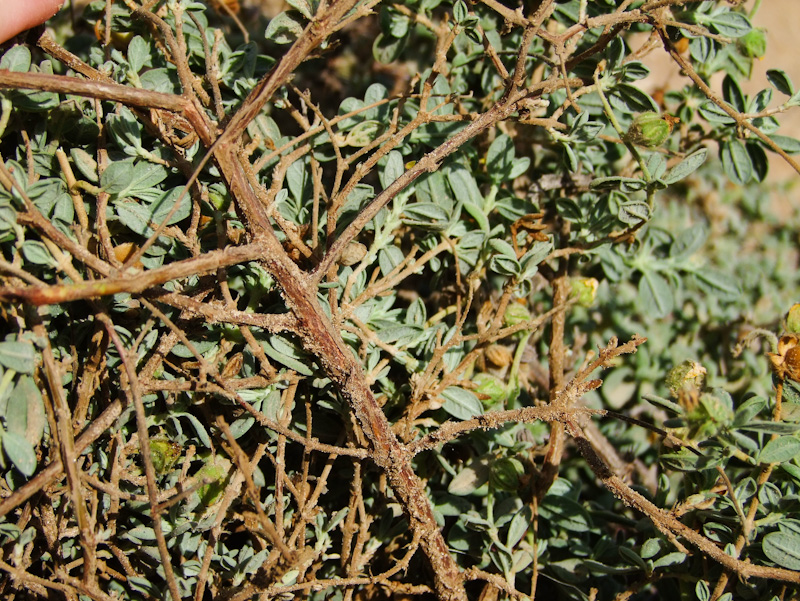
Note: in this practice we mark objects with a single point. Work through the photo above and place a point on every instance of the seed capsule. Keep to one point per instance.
(650, 129)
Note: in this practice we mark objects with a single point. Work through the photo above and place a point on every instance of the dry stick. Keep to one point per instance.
(69, 455)
(133, 392)
(556, 355)
(63, 84)
(133, 283)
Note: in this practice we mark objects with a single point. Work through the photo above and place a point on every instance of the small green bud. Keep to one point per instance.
(491, 388)
(515, 314)
(505, 474)
(753, 44)
(793, 319)
(686, 376)
(213, 474)
(585, 290)
(650, 129)
(164, 453)
(219, 201)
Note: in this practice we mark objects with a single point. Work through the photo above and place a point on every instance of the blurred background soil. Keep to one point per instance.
(781, 20)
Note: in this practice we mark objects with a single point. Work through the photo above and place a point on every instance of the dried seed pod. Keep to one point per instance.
(786, 362)
(498, 355)
(352, 254)
(791, 363)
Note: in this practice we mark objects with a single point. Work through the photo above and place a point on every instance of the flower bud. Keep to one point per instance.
(515, 314)
(164, 453)
(585, 290)
(490, 389)
(650, 129)
(687, 375)
(212, 478)
(793, 320)
(753, 44)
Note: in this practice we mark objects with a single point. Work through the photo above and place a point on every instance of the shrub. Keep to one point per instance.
(306, 316)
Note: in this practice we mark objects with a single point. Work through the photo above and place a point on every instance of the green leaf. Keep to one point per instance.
(392, 169)
(161, 80)
(778, 450)
(462, 183)
(202, 434)
(286, 355)
(730, 24)
(787, 144)
(138, 53)
(670, 559)
(17, 58)
(631, 98)
(302, 6)
(363, 134)
(760, 101)
(718, 284)
(714, 114)
(655, 294)
(633, 212)
(36, 252)
(736, 162)
(389, 258)
(759, 160)
(474, 476)
(460, 11)
(283, 29)
(128, 178)
(664, 403)
(626, 184)
(733, 94)
(780, 79)
(783, 548)
(164, 205)
(565, 513)
(426, 211)
(20, 452)
(461, 403)
(387, 49)
(503, 248)
(500, 158)
(18, 355)
(24, 412)
(688, 242)
(686, 167)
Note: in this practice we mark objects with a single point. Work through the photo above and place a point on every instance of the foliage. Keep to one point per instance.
(295, 316)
